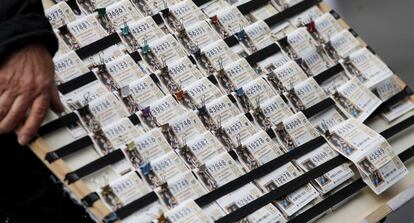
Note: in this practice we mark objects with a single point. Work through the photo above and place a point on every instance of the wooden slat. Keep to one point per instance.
(60, 169)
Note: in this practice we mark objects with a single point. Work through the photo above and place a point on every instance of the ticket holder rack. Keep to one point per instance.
(96, 207)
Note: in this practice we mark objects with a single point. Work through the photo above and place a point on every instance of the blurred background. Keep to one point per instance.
(388, 27)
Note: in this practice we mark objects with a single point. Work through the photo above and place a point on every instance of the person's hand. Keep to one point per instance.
(27, 87)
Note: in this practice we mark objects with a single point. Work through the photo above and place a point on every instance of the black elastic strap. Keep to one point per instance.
(259, 172)
(200, 2)
(74, 6)
(286, 188)
(132, 207)
(406, 92)
(370, 49)
(69, 149)
(250, 6)
(397, 128)
(77, 82)
(249, 116)
(98, 46)
(155, 78)
(290, 12)
(231, 41)
(262, 54)
(325, 75)
(90, 199)
(353, 32)
(335, 14)
(321, 106)
(191, 57)
(283, 42)
(135, 56)
(134, 119)
(158, 19)
(94, 166)
(64, 121)
(233, 154)
(271, 133)
(212, 79)
(232, 99)
(407, 154)
(329, 202)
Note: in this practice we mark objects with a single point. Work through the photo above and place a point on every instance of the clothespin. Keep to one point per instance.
(101, 64)
(203, 109)
(311, 27)
(145, 49)
(241, 34)
(130, 146)
(202, 168)
(239, 144)
(196, 51)
(214, 19)
(258, 109)
(180, 95)
(86, 98)
(279, 126)
(240, 92)
(146, 112)
(165, 128)
(106, 190)
(161, 218)
(164, 186)
(184, 140)
(125, 30)
(101, 11)
(164, 67)
(146, 168)
(75, 105)
(324, 127)
(299, 61)
(125, 91)
(180, 28)
(221, 66)
(291, 86)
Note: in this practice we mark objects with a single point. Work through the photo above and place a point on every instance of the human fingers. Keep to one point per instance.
(15, 114)
(6, 101)
(55, 102)
(37, 114)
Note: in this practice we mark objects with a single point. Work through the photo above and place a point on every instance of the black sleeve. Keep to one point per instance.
(23, 22)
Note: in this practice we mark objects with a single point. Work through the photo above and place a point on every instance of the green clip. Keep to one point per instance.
(125, 30)
(101, 11)
(145, 48)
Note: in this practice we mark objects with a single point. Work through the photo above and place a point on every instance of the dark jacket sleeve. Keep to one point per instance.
(23, 22)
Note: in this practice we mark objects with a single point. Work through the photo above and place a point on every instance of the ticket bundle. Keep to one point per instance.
(379, 166)
(197, 94)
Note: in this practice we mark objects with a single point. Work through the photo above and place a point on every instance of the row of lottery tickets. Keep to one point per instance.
(191, 93)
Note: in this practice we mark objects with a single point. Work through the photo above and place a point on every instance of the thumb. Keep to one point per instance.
(55, 103)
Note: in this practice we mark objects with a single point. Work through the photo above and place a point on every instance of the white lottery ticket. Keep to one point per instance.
(240, 73)
(187, 212)
(356, 100)
(275, 109)
(87, 30)
(372, 68)
(69, 66)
